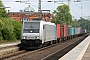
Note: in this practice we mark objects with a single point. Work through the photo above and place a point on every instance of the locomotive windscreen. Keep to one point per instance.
(31, 27)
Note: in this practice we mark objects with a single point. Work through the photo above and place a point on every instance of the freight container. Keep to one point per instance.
(72, 32)
(80, 30)
(77, 30)
(85, 31)
(65, 30)
(62, 30)
(69, 30)
(58, 30)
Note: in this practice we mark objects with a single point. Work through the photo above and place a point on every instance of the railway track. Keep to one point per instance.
(44, 53)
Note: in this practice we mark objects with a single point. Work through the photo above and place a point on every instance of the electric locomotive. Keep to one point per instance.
(37, 34)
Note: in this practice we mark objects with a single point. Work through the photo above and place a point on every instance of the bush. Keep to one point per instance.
(17, 29)
(7, 35)
(1, 27)
(8, 29)
(0, 35)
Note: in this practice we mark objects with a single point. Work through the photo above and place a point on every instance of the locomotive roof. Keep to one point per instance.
(42, 22)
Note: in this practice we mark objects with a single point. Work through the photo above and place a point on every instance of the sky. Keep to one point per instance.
(77, 9)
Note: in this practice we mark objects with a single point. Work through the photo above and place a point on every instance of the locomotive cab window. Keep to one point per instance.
(31, 27)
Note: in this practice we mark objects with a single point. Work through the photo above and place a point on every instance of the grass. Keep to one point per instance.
(8, 41)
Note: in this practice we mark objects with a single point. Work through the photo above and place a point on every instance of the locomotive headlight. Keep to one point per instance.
(37, 37)
(24, 37)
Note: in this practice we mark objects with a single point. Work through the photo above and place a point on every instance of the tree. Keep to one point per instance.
(2, 10)
(75, 23)
(62, 15)
(84, 23)
(8, 29)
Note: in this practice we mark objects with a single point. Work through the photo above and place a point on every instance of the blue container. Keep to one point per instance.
(55, 33)
(83, 30)
(69, 31)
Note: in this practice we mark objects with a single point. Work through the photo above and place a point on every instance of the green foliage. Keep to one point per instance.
(0, 35)
(7, 35)
(84, 23)
(1, 27)
(7, 31)
(75, 23)
(2, 10)
(17, 29)
(62, 15)
(11, 29)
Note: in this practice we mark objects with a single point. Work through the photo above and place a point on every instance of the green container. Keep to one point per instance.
(72, 31)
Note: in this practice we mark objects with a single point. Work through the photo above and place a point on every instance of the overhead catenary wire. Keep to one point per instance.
(58, 0)
(34, 5)
(75, 12)
(23, 2)
(81, 9)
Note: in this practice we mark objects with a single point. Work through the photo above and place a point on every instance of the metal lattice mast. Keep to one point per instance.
(39, 9)
(68, 2)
